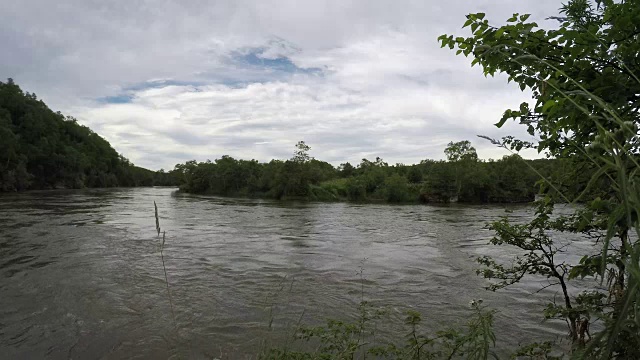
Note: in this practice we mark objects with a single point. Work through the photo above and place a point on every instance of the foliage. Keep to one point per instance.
(349, 340)
(468, 179)
(460, 151)
(301, 154)
(594, 51)
(356, 190)
(395, 189)
(346, 170)
(583, 76)
(537, 351)
(41, 149)
(414, 175)
(464, 158)
(538, 258)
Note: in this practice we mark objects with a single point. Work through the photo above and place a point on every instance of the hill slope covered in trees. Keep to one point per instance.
(42, 149)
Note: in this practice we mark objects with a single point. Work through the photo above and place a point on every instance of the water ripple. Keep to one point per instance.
(82, 274)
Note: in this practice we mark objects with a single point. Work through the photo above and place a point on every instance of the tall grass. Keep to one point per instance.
(164, 267)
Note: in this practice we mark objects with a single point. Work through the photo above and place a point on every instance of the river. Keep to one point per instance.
(81, 274)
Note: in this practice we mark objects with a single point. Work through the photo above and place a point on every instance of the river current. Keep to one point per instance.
(81, 274)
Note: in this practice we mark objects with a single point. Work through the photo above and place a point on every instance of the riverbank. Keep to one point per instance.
(338, 190)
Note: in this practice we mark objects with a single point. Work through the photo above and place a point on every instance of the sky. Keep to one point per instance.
(169, 81)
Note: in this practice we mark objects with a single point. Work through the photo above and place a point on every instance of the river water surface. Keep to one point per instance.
(81, 274)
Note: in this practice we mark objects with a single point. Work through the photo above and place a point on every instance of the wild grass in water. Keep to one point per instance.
(166, 278)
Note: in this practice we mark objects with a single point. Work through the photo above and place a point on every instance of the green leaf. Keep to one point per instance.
(526, 57)
(524, 17)
(547, 105)
(502, 121)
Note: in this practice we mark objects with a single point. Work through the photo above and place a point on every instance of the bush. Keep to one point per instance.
(356, 190)
(395, 189)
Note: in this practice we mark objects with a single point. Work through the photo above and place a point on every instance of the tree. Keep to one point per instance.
(584, 79)
(356, 189)
(395, 189)
(301, 154)
(463, 155)
(346, 169)
(461, 150)
(415, 175)
(594, 51)
(440, 183)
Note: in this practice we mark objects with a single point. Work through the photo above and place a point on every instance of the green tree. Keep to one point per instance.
(346, 170)
(459, 151)
(440, 183)
(356, 189)
(463, 156)
(583, 75)
(301, 154)
(395, 189)
(415, 175)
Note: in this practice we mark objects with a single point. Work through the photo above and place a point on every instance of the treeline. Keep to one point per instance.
(42, 149)
(463, 178)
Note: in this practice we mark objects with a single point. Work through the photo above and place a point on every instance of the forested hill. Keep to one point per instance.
(42, 149)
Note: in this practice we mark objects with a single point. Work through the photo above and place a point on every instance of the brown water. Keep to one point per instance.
(81, 274)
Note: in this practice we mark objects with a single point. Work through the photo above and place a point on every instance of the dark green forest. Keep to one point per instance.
(42, 149)
(462, 177)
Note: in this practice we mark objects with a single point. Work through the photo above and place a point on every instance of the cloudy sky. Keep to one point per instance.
(170, 81)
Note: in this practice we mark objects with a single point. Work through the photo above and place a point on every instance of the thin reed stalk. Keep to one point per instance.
(166, 278)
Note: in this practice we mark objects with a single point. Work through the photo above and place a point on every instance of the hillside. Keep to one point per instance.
(43, 149)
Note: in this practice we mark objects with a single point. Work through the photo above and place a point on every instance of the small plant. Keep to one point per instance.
(536, 351)
(338, 339)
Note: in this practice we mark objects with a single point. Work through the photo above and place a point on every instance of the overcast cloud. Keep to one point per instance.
(169, 81)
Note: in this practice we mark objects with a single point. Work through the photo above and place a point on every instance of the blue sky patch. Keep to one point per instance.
(118, 99)
(126, 96)
(248, 67)
(281, 64)
(157, 84)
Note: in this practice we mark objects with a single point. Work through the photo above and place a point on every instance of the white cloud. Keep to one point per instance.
(388, 89)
